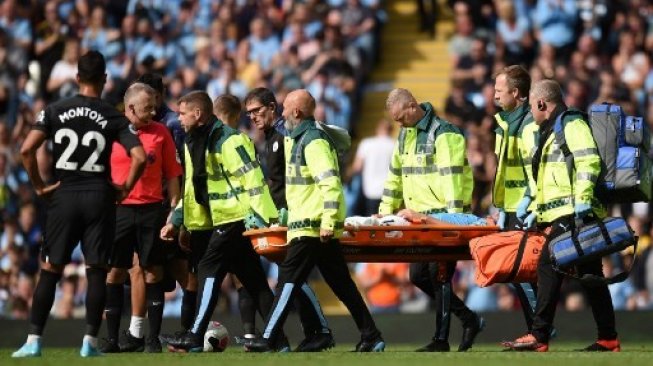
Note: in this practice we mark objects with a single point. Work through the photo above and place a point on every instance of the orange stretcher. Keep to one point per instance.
(412, 243)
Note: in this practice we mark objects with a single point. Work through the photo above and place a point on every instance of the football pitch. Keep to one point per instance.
(561, 354)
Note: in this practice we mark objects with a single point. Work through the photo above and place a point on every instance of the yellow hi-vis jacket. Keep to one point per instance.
(234, 180)
(313, 188)
(429, 171)
(557, 192)
(514, 148)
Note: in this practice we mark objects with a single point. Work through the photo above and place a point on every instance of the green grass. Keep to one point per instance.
(561, 354)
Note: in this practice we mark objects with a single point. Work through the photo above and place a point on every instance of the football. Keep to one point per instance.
(216, 338)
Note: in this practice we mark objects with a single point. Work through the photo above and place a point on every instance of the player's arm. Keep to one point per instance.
(32, 143)
(132, 145)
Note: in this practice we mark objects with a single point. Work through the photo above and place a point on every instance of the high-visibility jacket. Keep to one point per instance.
(514, 148)
(557, 191)
(235, 180)
(429, 171)
(235, 183)
(313, 187)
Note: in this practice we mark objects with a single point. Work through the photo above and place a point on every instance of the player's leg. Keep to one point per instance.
(133, 338)
(179, 268)
(63, 232)
(151, 256)
(122, 252)
(317, 334)
(420, 276)
(247, 309)
(99, 214)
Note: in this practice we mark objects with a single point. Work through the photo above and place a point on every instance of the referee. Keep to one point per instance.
(81, 204)
(138, 221)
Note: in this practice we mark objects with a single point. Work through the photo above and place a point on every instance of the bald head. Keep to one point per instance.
(545, 97)
(399, 96)
(547, 91)
(298, 105)
(403, 107)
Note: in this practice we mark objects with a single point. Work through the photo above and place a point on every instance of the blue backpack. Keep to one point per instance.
(623, 145)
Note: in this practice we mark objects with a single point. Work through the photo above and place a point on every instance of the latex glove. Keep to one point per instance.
(581, 210)
(283, 217)
(522, 207)
(501, 220)
(529, 221)
(254, 221)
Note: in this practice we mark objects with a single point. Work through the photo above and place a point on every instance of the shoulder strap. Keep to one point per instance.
(559, 133)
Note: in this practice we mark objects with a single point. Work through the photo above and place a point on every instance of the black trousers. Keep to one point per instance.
(229, 252)
(304, 253)
(549, 282)
(436, 283)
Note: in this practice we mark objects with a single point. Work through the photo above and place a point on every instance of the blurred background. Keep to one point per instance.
(348, 54)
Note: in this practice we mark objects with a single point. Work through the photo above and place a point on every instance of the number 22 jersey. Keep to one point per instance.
(82, 130)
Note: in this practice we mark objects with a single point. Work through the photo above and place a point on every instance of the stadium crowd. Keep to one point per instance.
(598, 50)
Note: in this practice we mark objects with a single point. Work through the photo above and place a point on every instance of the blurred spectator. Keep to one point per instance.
(62, 81)
(227, 82)
(371, 162)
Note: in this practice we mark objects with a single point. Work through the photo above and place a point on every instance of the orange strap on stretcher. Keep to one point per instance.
(411, 243)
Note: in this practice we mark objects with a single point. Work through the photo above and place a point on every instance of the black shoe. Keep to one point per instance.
(375, 345)
(109, 345)
(152, 345)
(185, 342)
(436, 345)
(316, 343)
(470, 333)
(129, 343)
(258, 344)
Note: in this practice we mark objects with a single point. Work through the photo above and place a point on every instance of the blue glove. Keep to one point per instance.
(501, 221)
(522, 207)
(254, 221)
(582, 209)
(529, 221)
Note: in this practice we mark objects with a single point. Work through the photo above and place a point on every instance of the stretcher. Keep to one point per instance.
(411, 243)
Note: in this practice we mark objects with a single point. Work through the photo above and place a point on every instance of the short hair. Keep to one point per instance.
(91, 68)
(199, 99)
(399, 95)
(152, 79)
(228, 105)
(135, 89)
(547, 90)
(517, 78)
(261, 95)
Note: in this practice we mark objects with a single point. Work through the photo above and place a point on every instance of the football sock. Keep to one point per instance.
(154, 298)
(42, 301)
(96, 295)
(188, 304)
(247, 311)
(113, 309)
(136, 326)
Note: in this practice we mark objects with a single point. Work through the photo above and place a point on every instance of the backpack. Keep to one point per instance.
(623, 143)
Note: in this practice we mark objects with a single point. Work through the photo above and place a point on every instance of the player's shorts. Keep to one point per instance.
(137, 230)
(86, 216)
(199, 241)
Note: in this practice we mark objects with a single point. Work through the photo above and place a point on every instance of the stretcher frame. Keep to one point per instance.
(384, 244)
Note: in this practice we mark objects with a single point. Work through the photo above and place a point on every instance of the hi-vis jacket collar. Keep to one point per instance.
(515, 114)
(425, 122)
(302, 127)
